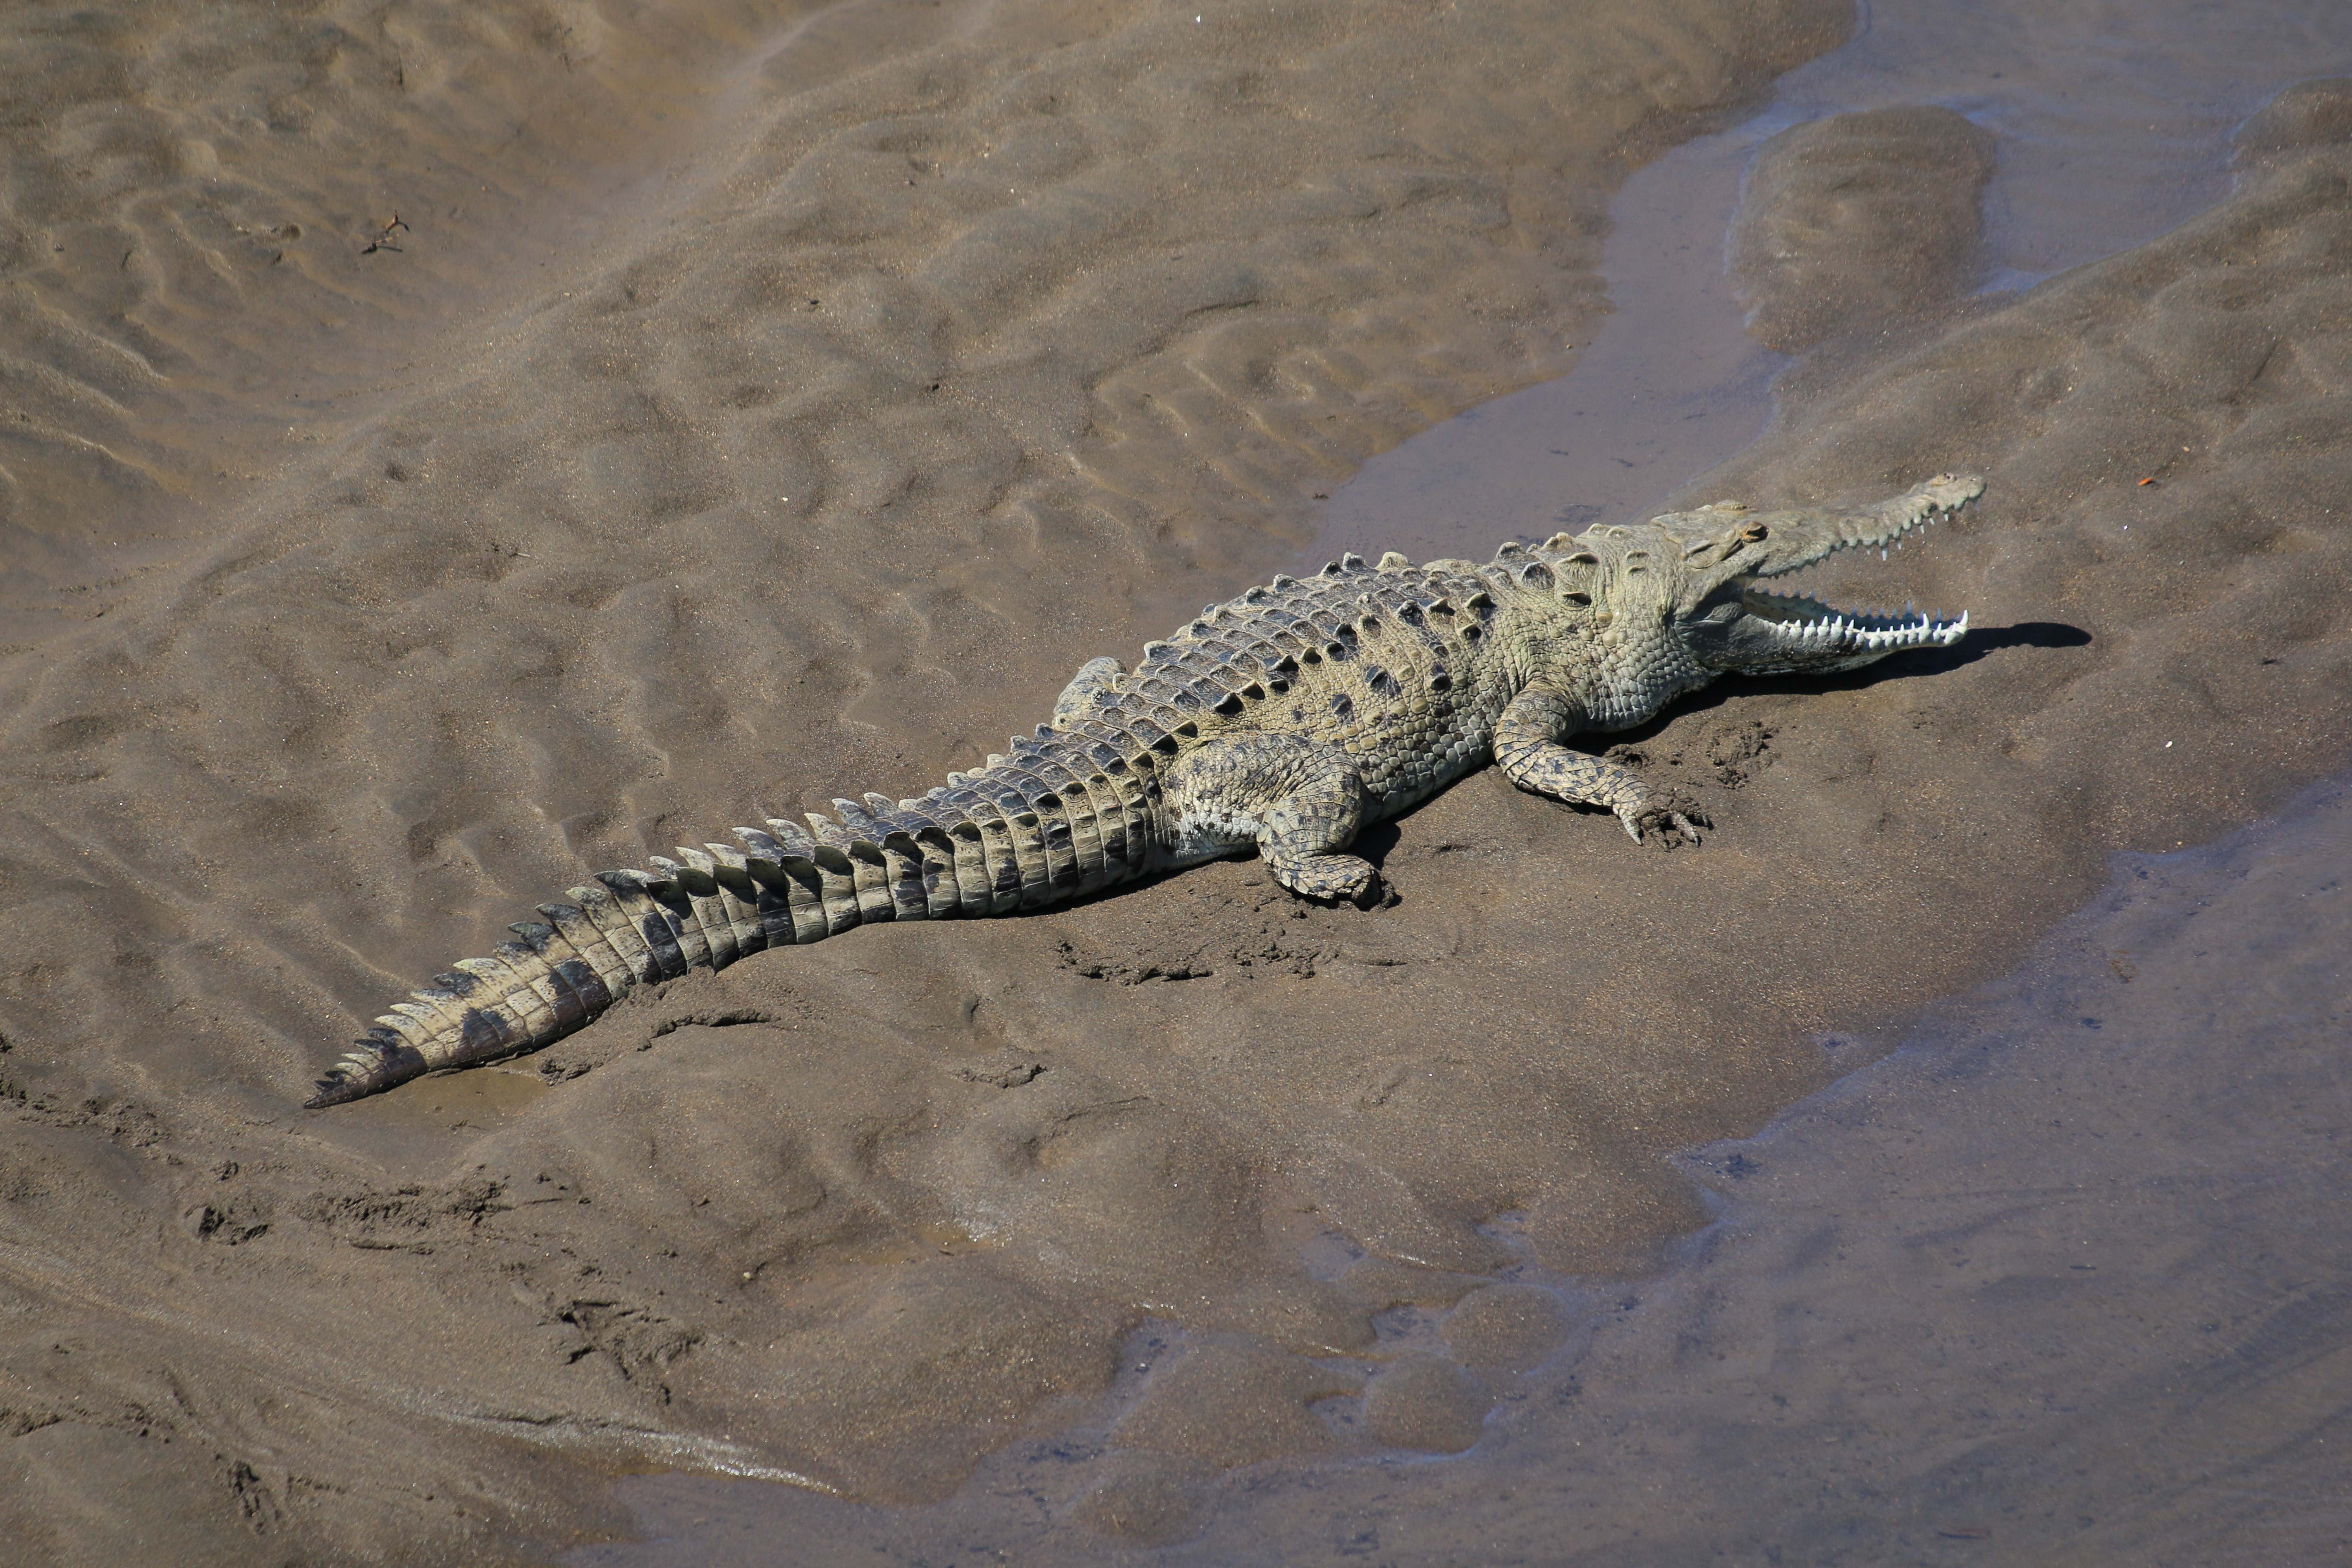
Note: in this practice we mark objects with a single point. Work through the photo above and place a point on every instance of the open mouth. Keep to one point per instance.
(1808, 626)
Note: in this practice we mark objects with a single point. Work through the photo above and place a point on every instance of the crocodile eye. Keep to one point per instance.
(1754, 534)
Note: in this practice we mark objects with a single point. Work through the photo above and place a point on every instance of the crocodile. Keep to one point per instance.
(1285, 721)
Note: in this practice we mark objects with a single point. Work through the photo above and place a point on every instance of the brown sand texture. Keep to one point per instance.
(752, 403)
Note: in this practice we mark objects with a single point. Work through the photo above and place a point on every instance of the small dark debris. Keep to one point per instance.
(383, 241)
(229, 1225)
(1008, 1077)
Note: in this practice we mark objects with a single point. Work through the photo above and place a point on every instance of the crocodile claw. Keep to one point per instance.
(1639, 819)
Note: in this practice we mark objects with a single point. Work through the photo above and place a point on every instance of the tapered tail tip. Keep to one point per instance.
(370, 1068)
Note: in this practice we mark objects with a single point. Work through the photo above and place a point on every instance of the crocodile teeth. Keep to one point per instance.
(1870, 630)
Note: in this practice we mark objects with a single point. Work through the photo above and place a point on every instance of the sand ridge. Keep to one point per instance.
(1885, 202)
(233, 236)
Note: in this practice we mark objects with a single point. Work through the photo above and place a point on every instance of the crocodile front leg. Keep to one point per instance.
(1298, 801)
(1527, 750)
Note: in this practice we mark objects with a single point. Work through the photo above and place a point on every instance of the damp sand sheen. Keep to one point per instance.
(457, 446)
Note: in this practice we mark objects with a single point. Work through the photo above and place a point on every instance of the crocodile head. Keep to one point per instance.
(1730, 624)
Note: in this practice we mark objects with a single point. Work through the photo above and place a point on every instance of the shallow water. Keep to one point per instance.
(2114, 122)
(1670, 386)
(2055, 1279)
(2063, 1278)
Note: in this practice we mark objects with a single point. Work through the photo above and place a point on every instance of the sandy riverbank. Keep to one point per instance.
(809, 441)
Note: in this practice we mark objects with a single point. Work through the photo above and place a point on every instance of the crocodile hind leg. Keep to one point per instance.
(1527, 750)
(1093, 679)
(1299, 803)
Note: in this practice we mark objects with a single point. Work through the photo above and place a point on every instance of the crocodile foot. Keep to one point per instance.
(1664, 820)
(1339, 879)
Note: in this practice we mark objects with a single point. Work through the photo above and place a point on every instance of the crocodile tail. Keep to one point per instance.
(1064, 813)
(785, 885)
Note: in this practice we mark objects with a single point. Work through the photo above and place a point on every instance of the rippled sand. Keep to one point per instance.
(747, 405)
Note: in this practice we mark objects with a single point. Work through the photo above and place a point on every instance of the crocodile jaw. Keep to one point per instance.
(1799, 633)
(1781, 634)
(1799, 539)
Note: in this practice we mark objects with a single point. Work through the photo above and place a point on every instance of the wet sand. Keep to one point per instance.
(2058, 1281)
(826, 474)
